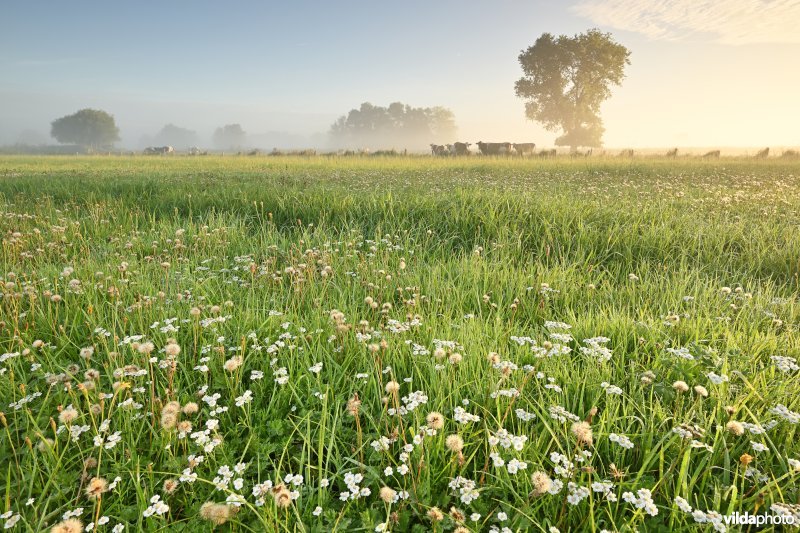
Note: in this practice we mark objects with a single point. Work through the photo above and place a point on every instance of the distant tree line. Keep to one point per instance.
(396, 126)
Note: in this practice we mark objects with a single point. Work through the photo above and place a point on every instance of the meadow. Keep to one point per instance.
(397, 344)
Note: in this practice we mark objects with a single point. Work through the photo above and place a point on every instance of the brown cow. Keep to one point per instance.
(494, 148)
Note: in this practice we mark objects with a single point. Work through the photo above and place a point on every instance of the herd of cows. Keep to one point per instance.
(484, 148)
(463, 149)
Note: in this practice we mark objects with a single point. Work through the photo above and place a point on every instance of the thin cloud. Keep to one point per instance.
(733, 22)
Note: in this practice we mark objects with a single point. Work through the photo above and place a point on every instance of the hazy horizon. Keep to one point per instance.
(705, 74)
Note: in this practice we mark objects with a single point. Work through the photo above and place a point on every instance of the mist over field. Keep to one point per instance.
(286, 73)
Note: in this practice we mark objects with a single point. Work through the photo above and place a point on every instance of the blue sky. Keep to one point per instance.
(699, 76)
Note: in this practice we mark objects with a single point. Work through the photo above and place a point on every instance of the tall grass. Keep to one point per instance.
(688, 267)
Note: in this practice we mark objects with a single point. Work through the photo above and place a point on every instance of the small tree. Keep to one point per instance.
(565, 81)
(87, 127)
(231, 136)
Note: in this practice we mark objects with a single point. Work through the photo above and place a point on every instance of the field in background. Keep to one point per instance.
(396, 343)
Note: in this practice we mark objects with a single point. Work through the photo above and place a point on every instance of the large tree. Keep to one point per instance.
(396, 126)
(565, 81)
(87, 127)
(230, 136)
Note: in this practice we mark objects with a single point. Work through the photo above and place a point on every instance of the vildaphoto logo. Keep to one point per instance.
(747, 519)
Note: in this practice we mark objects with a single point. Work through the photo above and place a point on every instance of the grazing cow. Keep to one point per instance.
(524, 148)
(713, 154)
(762, 154)
(461, 148)
(494, 148)
(548, 153)
(150, 150)
(673, 153)
(450, 149)
(577, 153)
(438, 149)
(194, 150)
(626, 153)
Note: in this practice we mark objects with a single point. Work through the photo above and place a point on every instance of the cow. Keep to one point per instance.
(548, 153)
(438, 149)
(461, 148)
(713, 154)
(159, 150)
(763, 154)
(673, 153)
(450, 149)
(194, 150)
(494, 148)
(524, 148)
(626, 153)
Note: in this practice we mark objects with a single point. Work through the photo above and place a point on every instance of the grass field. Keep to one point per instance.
(397, 344)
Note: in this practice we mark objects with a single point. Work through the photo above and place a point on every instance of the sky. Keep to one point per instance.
(703, 73)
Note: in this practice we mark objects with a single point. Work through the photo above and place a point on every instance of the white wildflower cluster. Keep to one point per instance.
(227, 476)
(157, 507)
(19, 404)
(606, 488)
(507, 440)
(524, 415)
(754, 429)
(522, 341)
(410, 402)
(622, 440)
(783, 412)
(550, 349)
(643, 499)
(188, 475)
(717, 379)
(505, 367)
(261, 491)
(715, 519)
(504, 393)
(418, 349)
(562, 415)
(354, 490)
(564, 467)
(681, 353)
(395, 326)
(382, 444)
(281, 375)
(11, 518)
(461, 416)
(244, 399)
(785, 364)
(204, 438)
(596, 349)
(611, 389)
(786, 509)
(576, 493)
(467, 489)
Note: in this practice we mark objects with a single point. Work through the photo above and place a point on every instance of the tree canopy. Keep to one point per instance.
(565, 81)
(176, 136)
(396, 126)
(230, 136)
(87, 127)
